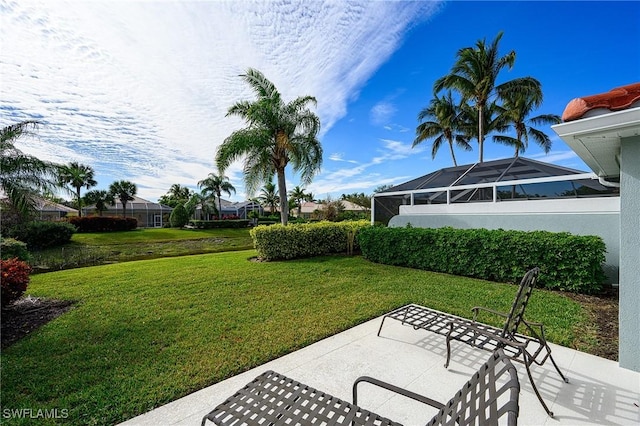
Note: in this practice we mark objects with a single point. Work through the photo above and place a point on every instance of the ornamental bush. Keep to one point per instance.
(15, 277)
(103, 223)
(40, 234)
(277, 242)
(10, 248)
(179, 216)
(567, 262)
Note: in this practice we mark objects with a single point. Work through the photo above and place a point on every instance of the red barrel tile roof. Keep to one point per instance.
(617, 99)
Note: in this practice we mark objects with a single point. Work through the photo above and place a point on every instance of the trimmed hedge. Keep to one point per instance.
(40, 234)
(567, 262)
(277, 242)
(225, 223)
(103, 223)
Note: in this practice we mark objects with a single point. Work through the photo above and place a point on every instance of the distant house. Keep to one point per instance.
(309, 209)
(239, 209)
(50, 211)
(147, 213)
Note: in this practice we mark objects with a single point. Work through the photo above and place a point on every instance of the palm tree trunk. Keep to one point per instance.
(284, 205)
(453, 155)
(219, 194)
(79, 202)
(481, 131)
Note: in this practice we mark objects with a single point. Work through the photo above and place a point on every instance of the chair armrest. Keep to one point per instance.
(530, 326)
(477, 309)
(395, 389)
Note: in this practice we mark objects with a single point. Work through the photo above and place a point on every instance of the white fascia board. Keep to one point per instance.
(596, 140)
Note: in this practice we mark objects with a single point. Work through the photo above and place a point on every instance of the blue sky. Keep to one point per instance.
(139, 90)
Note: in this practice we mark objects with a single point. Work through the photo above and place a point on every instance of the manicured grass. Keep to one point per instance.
(154, 235)
(145, 333)
(97, 248)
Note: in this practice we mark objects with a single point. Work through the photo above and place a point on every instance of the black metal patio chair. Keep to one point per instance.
(490, 397)
(527, 349)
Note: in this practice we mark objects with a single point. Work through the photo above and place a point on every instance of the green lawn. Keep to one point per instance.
(97, 248)
(145, 333)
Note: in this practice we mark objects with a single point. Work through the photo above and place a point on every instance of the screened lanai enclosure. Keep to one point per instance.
(514, 193)
(512, 179)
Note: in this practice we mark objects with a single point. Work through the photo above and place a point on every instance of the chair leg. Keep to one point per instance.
(553, 361)
(527, 364)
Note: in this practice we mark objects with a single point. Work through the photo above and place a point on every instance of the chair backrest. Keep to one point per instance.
(491, 394)
(520, 303)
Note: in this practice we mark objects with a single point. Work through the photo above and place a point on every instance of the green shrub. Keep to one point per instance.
(39, 235)
(103, 223)
(277, 242)
(216, 224)
(179, 216)
(567, 262)
(10, 248)
(15, 277)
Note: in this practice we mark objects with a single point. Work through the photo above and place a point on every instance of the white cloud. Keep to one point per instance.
(139, 90)
(382, 112)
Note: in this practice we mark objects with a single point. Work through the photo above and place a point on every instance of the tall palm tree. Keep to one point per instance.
(277, 133)
(177, 194)
(298, 195)
(441, 120)
(474, 75)
(125, 191)
(23, 177)
(517, 107)
(215, 185)
(269, 197)
(77, 176)
(99, 198)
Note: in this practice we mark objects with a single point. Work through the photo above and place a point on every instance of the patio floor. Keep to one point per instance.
(599, 392)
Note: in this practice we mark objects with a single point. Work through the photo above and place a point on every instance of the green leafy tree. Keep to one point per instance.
(100, 199)
(214, 185)
(77, 176)
(297, 195)
(517, 108)
(23, 177)
(277, 134)
(125, 191)
(269, 197)
(474, 76)
(441, 121)
(178, 194)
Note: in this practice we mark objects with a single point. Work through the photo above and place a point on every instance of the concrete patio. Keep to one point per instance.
(599, 392)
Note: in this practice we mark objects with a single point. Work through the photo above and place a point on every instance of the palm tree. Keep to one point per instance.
(269, 197)
(177, 194)
(474, 75)
(298, 195)
(517, 107)
(441, 120)
(100, 199)
(215, 185)
(23, 177)
(277, 133)
(77, 176)
(124, 191)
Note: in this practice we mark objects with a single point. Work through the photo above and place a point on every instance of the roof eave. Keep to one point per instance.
(596, 140)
